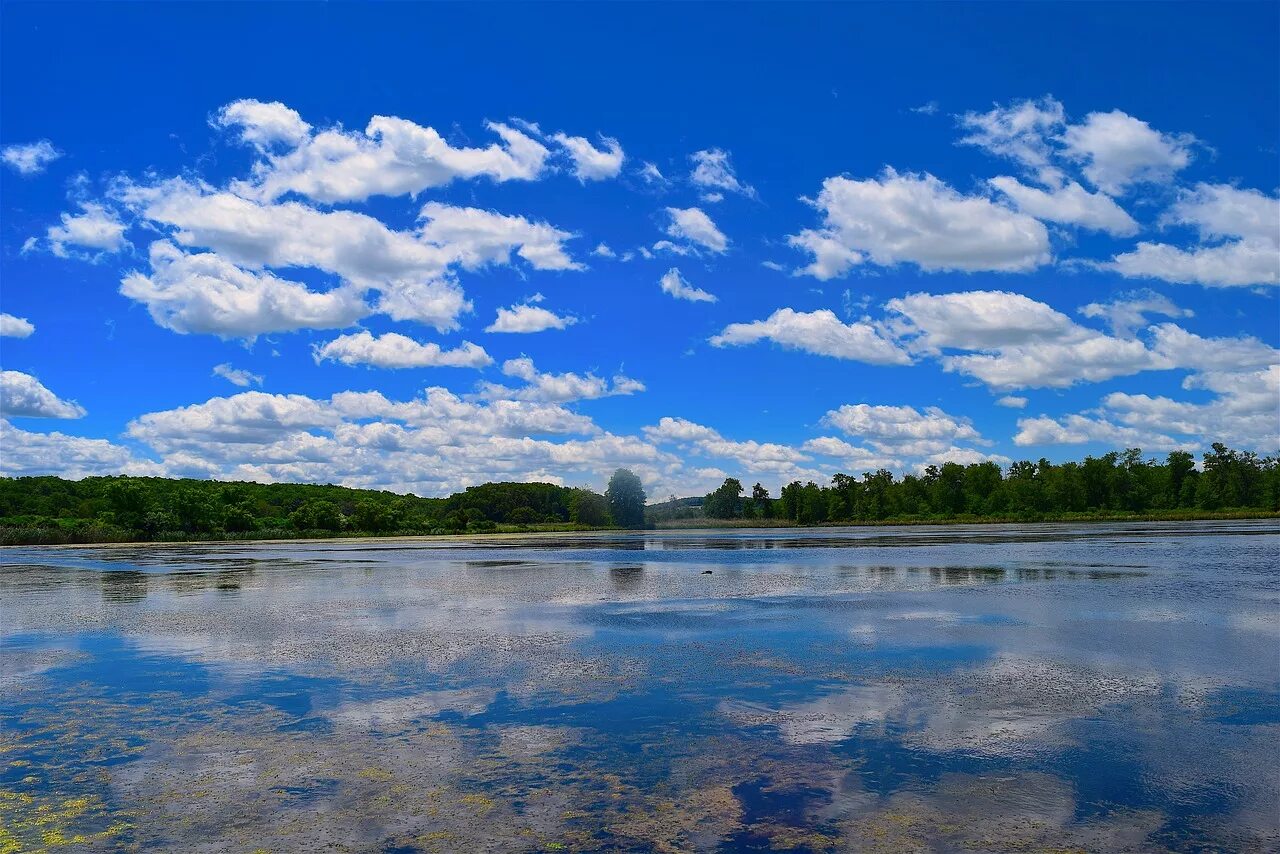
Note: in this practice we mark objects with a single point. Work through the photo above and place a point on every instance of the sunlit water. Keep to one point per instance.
(989, 688)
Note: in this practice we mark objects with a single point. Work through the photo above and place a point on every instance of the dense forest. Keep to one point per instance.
(1115, 484)
(124, 509)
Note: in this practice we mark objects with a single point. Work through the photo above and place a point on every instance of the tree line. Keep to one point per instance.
(126, 509)
(1112, 484)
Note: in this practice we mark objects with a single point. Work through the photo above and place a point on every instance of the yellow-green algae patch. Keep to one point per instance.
(32, 824)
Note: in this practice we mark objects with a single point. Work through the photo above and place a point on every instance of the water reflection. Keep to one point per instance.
(1106, 688)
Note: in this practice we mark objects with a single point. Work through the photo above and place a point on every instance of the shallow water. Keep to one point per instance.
(990, 688)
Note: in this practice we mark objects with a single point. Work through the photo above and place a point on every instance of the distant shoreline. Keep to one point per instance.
(690, 525)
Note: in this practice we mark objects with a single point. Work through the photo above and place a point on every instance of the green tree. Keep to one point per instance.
(588, 508)
(375, 517)
(725, 502)
(313, 515)
(625, 496)
(761, 503)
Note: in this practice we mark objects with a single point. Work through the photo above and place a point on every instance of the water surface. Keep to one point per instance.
(987, 688)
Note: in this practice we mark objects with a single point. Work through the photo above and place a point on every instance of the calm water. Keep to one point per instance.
(985, 689)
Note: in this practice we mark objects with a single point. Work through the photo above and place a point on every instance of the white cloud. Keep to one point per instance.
(652, 175)
(1128, 311)
(977, 320)
(1243, 414)
(1011, 401)
(391, 157)
(1188, 350)
(237, 376)
(1070, 204)
(263, 125)
(920, 220)
(697, 229)
(22, 395)
(1239, 241)
(94, 228)
(30, 158)
(394, 350)
(832, 259)
(602, 250)
(591, 163)
(675, 284)
(1235, 264)
(750, 457)
(1020, 343)
(713, 171)
(412, 270)
(431, 445)
(556, 388)
(819, 332)
(15, 327)
(529, 317)
(852, 457)
(473, 238)
(1021, 133)
(894, 427)
(1117, 151)
(73, 457)
(203, 293)
(1078, 429)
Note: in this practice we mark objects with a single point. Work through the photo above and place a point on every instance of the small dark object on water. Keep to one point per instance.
(706, 572)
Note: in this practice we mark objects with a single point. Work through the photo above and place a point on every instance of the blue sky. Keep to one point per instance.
(273, 242)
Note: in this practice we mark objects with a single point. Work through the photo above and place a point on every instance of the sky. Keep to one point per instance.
(420, 247)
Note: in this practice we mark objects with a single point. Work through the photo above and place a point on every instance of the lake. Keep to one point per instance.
(1099, 687)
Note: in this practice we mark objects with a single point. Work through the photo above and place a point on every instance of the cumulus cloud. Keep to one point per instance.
(695, 229)
(1010, 401)
(819, 332)
(473, 238)
(73, 457)
(30, 158)
(854, 458)
(1118, 150)
(413, 271)
(432, 445)
(237, 376)
(713, 172)
(529, 317)
(1128, 311)
(1019, 342)
(15, 327)
(673, 283)
(591, 163)
(1239, 241)
(204, 293)
(1070, 204)
(890, 427)
(95, 227)
(1021, 132)
(391, 157)
(1242, 413)
(748, 457)
(917, 219)
(24, 396)
(556, 388)
(1112, 150)
(393, 350)
(263, 125)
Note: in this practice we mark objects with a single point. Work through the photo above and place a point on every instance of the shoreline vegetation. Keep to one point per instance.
(1116, 487)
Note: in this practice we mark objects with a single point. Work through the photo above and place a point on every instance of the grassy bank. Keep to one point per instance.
(49, 536)
(1025, 518)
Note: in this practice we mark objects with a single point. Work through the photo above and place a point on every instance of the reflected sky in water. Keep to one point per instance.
(988, 688)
